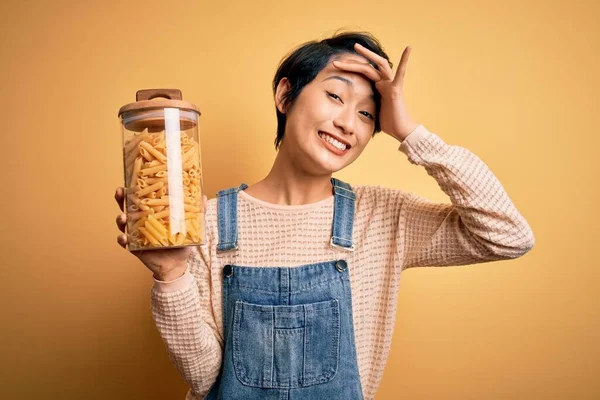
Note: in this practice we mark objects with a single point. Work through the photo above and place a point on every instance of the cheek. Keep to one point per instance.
(363, 141)
(317, 112)
(310, 119)
(316, 107)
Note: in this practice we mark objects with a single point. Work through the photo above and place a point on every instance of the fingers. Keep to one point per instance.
(122, 240)
(121, 218)
(381, 62)
(121, 222)
(119, 197)
(399, 78)
(360, 68)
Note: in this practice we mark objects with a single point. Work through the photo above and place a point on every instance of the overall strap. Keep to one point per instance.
(227, 218)
(343, 215)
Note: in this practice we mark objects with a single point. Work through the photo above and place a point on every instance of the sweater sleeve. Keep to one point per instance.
(181, 311)
(481, 224)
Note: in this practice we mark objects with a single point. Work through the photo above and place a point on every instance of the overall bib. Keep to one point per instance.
(288, 330)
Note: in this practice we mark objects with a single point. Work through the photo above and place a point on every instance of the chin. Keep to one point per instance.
(329, 165)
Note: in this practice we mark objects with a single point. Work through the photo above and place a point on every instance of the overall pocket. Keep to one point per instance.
(286, 347)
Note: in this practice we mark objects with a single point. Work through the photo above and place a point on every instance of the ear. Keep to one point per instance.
(282, 88)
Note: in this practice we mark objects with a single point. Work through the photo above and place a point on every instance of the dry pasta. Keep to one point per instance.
(150, 223)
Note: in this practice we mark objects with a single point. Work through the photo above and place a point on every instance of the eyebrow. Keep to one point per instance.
(346, 81)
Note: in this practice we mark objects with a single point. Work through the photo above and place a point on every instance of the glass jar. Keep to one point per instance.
(163, 171)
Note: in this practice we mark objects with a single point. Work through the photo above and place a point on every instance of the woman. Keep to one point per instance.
(294, 295)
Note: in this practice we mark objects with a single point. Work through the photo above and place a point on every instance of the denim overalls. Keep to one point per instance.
(288, 331)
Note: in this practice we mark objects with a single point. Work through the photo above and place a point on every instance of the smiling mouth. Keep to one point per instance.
(334, 143)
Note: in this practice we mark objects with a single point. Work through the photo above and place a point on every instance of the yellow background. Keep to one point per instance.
(515, 82)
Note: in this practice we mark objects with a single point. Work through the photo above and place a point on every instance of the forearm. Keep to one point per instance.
(481, 214)
(180, 312)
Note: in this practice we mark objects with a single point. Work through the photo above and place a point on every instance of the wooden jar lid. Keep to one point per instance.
(150, 100)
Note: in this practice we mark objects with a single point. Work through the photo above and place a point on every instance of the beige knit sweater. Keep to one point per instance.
(393, 230)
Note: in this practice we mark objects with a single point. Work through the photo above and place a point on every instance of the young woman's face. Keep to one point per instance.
(331, 121)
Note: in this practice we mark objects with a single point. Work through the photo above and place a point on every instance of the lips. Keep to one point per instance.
(348, 145)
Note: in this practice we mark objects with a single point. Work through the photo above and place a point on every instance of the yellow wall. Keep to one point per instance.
(515, 82)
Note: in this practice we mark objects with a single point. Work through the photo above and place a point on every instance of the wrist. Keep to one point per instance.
(175, 283)
(410, 128)
(171, 274)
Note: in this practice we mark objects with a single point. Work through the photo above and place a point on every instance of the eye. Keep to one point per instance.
(365, 113)
(368, 115)
(335, 96)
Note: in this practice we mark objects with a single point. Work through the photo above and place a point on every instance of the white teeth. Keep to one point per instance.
(336, 143)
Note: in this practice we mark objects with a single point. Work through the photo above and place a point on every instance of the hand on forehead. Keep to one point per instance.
(348, 58)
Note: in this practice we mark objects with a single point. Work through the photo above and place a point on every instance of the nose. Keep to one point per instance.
(345, 120)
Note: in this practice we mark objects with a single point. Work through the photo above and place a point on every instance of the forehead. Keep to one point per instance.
(360, 83)
(349, 57)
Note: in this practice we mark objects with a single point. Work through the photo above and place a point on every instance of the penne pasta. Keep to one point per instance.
(191, 208)
(149, 189)
(148, 194)
(158, 141)
(190, 227)
(157, 225)
(138, 223)
(130, 190)
(133, 199)
(151, 150)
(155, 202)
(141, 183)
(129, 159)
(135, 141)
(149, 236)
(193, 172)
(188, 155)
(134, 216)
(153, 170)
(156, 234)
(154, 180)
(137, 165)
(162, 214)
(144, 153)
(189, 164)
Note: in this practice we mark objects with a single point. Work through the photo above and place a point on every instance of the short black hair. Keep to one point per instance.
(304, 63)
